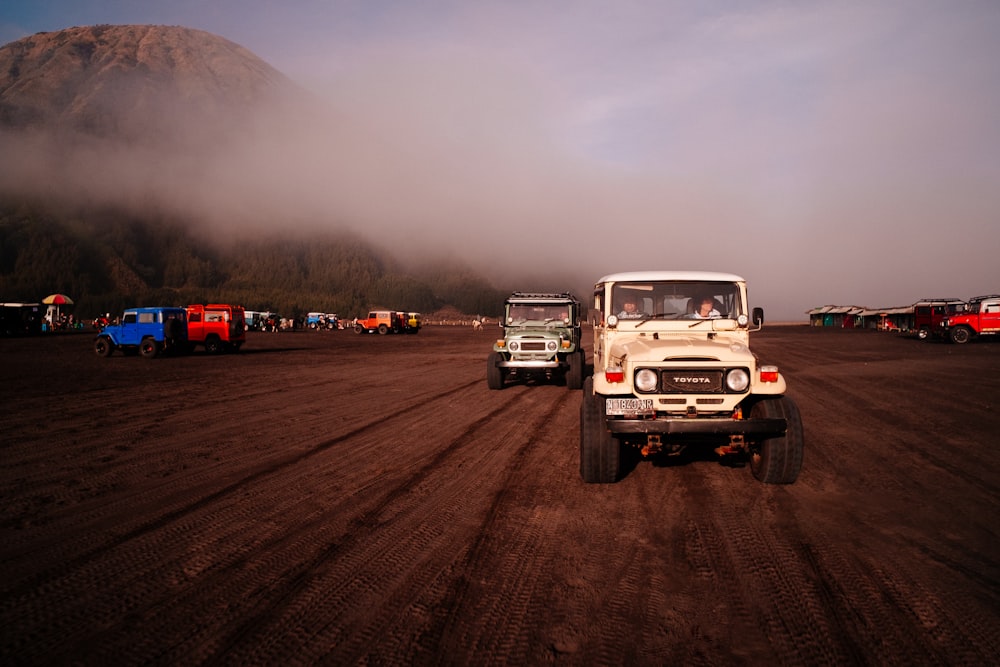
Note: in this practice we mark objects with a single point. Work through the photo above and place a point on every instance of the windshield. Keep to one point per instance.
(519, 313)
(676, 300)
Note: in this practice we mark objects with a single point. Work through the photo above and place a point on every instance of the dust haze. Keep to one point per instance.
(869, 183)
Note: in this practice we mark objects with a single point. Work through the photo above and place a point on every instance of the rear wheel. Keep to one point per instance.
(574, 376)
(359, 329)
(778, 460)
(600, 452)
(924, 333)
(103, 346)
(148, 348)
(213, 345)
(383, 329)
(960, 335)
(494, 374)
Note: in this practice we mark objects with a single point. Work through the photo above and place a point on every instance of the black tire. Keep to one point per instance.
(383, 329)
(213, 345)
(148, 348)
(574, 376)
(494, 374)
(600, 452)
(924, 333)
(103, 346)
(358, 329)
(778, 460)
(960, 335)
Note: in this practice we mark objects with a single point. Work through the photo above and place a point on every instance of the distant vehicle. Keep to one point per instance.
(673, 368)
(412, 323)
(541, 339)
(928, 314)
(260, 320)
(21, 319)
(317, 320)
(146, 331)
(380, 321)
(980, 318)
(219, 327)
(255, 319)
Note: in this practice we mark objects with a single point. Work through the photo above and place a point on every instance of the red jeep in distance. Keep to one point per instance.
(981, 318)
(928, 314)
(219, 327)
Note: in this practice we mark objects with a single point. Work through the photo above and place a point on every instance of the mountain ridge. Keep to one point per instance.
(74, 104)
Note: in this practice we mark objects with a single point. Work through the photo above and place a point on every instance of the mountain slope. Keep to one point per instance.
(133, 83)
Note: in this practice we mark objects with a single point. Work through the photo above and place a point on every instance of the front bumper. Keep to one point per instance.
(530, 363)
(697, 426)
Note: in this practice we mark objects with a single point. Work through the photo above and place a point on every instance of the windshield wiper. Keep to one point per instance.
(655, 316)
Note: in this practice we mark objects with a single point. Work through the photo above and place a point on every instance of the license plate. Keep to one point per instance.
(627, 406)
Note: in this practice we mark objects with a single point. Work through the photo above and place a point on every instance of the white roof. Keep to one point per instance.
(688, 276)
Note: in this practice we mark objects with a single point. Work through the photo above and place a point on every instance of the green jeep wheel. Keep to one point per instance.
(494, 374)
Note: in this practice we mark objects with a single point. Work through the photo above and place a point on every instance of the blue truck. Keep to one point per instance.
(145, 331)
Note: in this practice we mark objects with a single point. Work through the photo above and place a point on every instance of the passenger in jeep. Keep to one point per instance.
(704, 309)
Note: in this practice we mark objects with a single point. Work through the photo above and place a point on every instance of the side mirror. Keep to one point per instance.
(758, 316)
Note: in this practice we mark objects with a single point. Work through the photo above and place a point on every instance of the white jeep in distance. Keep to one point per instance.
(673, 367)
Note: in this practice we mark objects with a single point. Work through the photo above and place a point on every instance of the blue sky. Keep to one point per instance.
(831, 152)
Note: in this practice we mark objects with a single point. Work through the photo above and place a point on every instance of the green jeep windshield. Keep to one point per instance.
(519, 313)
(676, 300)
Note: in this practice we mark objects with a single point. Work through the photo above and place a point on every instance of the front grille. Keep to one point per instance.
(680, 381)
(532, 346)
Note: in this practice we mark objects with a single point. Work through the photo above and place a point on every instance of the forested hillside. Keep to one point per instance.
(107, 260)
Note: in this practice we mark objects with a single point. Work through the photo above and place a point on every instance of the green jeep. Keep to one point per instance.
(541, 340)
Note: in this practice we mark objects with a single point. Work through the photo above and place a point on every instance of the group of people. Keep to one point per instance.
(704, 309)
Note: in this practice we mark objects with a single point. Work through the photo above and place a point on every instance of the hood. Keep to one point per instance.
(650, 348)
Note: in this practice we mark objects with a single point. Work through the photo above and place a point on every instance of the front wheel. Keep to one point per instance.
(574, 376)
(103, 346)
(148, 348)
(494, 374)
(600, 452)
(778, 460)
(924, 333)
(213, 345)
(960, 335)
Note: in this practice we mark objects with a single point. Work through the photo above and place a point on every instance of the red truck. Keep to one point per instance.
(219, 327)
(980, 318)
(928, 313)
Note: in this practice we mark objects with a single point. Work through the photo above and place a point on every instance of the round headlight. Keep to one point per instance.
(552, 345)
(737, 379)
(612, 320)
(742, 320)
(645, 380)
(514, 346)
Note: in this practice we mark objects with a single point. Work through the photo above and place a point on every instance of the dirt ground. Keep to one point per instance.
(324, 497)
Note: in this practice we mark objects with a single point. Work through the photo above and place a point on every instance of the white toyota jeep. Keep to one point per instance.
(673, 367)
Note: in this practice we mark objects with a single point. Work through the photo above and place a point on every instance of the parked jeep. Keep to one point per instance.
(219, 327)
(146, 331)
(541, 338)
(674, 368)
(412, 322)
(381, 321)
(928, 314)
(980, 318)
